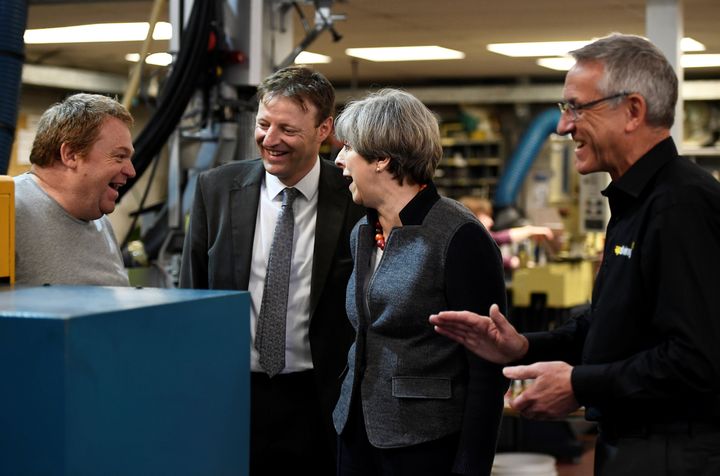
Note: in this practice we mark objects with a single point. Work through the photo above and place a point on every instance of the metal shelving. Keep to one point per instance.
(469, 167)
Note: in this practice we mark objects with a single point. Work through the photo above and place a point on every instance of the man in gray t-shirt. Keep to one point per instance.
(55, 247)
(80, 158)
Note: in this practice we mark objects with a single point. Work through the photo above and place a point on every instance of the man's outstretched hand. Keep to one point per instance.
(491, 337)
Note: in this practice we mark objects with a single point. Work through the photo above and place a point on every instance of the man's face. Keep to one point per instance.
(597, 131)
(104, 168)
(289, 138)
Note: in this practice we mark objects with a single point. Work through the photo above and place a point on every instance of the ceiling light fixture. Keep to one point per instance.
(564, 63)
(306, 57)
(561, 63)
(157, 59)
(561, 48)
(98, 33)
(405, 53)
(700, 61)
(536, 48)
(688, 44)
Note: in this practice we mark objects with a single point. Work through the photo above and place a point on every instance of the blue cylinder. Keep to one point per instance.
(524, 155)
(13, 18)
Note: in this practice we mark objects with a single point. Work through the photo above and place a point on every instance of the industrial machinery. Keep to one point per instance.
(7, 230)
(120, 380)
(554, 281)
(206, 108)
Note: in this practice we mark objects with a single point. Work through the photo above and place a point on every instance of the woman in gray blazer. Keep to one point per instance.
(412, 402)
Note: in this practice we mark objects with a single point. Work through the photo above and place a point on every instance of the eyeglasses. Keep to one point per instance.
(566, 106)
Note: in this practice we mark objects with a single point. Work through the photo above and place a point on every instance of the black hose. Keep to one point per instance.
(13, 18)
(141, 206)
(177, 91)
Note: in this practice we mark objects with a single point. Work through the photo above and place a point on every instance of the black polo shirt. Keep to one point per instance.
(649, 346)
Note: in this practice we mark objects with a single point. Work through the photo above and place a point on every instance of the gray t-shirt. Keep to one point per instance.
(51, 246)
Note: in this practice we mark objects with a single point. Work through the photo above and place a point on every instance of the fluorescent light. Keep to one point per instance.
(688, 44)
(564, 63)
(538, 48)
(158, 59)
(561, 48)
(405, 53)
(700, 61)
(306, 57)
(561, 63)
(98, 33)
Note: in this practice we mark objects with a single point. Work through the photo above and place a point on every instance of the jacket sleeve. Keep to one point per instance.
(194, 264)
(475, 280)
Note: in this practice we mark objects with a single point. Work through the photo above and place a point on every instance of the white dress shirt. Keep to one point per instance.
(297, 336)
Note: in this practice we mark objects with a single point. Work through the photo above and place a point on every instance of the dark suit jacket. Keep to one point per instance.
(217, 254)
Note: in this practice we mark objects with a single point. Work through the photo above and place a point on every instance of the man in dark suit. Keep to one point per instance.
(228, 245)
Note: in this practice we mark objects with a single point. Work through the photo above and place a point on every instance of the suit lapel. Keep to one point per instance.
(363, 253)
(244, 201)
(332, 203)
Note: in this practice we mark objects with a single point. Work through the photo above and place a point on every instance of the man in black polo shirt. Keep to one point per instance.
(645, 358)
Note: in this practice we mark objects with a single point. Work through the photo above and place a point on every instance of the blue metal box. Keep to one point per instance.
(124, 381)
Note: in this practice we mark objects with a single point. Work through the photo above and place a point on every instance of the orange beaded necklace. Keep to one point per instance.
(379, 236)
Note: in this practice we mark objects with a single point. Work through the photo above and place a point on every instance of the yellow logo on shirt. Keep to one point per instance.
(622, 250)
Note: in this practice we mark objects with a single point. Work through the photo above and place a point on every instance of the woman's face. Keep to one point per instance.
(361, 174)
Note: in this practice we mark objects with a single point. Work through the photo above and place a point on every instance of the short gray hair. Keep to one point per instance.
(76, 121)
(634, 65)
(395, 124)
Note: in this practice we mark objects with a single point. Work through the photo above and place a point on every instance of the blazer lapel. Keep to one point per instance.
(332, 203)
(244, 201)
(363, 253)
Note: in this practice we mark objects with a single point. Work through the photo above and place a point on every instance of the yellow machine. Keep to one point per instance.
(7, 229)
(565, 283)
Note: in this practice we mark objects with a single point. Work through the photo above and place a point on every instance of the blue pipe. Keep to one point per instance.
(13, 19)
(524, 156)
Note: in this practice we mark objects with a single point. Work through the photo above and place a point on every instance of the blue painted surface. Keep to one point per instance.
(524, 155)
(120, 381)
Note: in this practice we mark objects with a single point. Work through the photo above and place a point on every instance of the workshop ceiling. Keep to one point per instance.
(465, 25)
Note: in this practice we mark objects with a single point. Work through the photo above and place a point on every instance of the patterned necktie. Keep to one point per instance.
(270, 332)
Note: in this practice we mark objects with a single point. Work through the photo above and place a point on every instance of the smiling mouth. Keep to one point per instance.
(275, 153)
(116, 185)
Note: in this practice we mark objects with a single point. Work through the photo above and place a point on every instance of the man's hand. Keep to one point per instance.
(550, 395)
(491, 337)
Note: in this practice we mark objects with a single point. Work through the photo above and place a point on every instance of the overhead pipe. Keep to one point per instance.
(13, 19)
(523, 157)
(323, 21)
(177, 91)
(136, 74)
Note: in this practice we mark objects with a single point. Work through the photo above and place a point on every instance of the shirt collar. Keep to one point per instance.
(634, 181)
(415, 211)
(308, 185)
